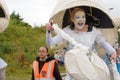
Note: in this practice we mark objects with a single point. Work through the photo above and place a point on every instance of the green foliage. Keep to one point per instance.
(5, 48)
(19, 44)
(119, 36)
(15, 19)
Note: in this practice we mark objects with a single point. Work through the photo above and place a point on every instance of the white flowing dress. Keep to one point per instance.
(89, 39)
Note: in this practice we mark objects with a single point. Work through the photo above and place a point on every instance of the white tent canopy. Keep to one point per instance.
(57, 15)
(4, 16)
(66, 4)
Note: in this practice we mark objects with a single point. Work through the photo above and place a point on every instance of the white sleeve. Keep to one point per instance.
(108, 47)
(52, 40)
(104, 44)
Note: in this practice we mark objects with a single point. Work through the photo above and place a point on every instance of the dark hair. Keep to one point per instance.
(46, 48)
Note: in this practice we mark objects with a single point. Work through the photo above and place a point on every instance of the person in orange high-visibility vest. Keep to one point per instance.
(45, 67)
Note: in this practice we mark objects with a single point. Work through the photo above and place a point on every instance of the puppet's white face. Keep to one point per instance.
(79, 19)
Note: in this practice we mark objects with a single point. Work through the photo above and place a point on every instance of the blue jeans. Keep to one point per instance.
(118, 67)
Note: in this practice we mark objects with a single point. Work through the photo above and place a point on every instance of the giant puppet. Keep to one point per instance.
(4, 20)
(81, 22)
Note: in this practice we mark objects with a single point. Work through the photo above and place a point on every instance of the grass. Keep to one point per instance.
(19, 74)
(16, 71)
(23, 73)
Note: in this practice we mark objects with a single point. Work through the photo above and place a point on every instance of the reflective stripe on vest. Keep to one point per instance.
(46, 72)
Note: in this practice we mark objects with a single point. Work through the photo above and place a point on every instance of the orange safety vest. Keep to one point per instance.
(46, 72)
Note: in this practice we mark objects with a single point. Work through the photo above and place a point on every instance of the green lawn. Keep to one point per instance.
(23, 73)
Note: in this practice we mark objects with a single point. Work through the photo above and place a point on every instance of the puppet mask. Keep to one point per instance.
(79, 19)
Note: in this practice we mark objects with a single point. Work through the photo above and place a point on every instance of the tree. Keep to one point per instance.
(17, 20)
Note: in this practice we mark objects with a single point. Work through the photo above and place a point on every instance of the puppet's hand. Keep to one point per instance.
(113, 56)
(49, 27)
(115, 72)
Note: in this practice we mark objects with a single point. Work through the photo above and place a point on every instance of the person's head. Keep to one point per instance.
(78, 17)
(43, 52)
(118, 50)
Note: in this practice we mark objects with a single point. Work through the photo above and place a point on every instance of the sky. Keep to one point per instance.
(37, 12)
